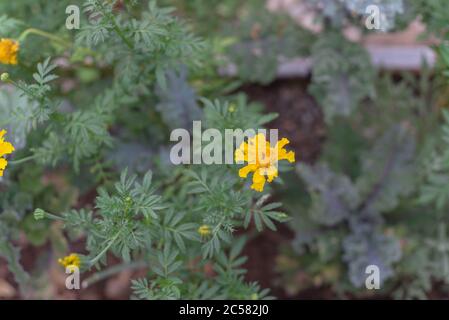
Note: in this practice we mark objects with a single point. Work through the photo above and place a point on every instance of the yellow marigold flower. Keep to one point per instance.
(5, 148)
(72, 260)
(204, 230)
(8, 51)
(262, 159)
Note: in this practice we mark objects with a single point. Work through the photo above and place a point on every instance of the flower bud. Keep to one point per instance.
(204, 230)
(4, 77)
(39, 214)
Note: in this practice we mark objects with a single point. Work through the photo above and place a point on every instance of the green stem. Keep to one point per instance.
(98, 257)
(121, 35)
(50, 36)
(53, 217)
(26, 159)
(24, 89)
(111, 271)
(45, 35)
(115, 26)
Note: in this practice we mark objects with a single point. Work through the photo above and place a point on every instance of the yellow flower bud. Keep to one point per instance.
(72, 260)
(204, 230)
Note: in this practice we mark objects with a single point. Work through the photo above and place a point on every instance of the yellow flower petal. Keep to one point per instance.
(258, 181)
(271, 173)
(70, 261)
(3, 164)
(6, 148)
(282, 143)
(289, 156)
(8, 51)
(262, 159)
(241, 153)
(243, 172)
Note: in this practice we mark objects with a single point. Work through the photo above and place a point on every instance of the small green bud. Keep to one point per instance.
(4, 77)
(128, 201)
(39, 214)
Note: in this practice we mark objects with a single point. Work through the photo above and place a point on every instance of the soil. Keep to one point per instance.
(300, 118)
